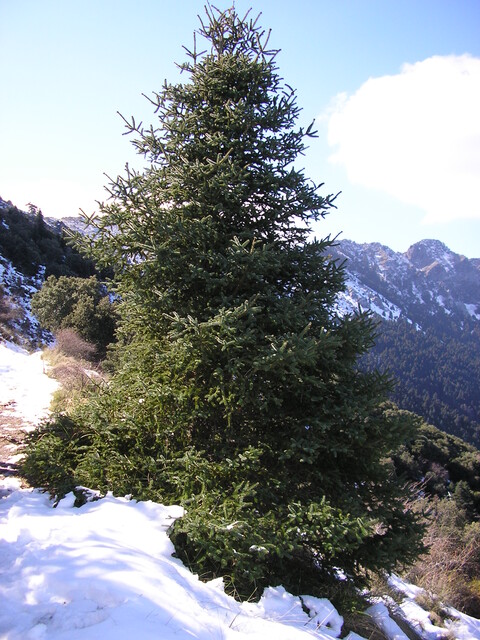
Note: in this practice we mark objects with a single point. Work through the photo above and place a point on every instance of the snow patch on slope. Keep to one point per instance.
(19, 289)
(473, 310)
(358, 296)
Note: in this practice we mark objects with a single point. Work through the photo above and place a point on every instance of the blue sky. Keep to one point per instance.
(394, 87)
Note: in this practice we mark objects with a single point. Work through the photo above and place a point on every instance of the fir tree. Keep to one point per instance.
(236, 390)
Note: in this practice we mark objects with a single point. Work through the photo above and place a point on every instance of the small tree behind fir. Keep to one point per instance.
(79, 304)
(236, 390)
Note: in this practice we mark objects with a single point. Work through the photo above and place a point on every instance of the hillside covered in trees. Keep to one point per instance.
(31, 249)
(31, 244)
(436, 372)
(427, 303)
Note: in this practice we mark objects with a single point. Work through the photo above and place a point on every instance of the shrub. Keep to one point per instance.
(451, 567)
(70, 343)
(79, 304)
(51, 463)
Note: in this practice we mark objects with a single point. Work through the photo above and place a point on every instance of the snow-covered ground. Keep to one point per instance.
(24, 387)
(106, 570)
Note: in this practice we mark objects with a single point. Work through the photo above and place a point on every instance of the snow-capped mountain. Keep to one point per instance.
(429, 341)
(426, 280)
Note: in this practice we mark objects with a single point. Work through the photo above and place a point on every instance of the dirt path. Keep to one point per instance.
(12, 434)
(25, 395)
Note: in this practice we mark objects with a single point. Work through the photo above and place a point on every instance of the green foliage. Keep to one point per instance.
(442, 465)
(29, 243)
(54, 456)
(236, 390)
(437, 371)
(81, 304)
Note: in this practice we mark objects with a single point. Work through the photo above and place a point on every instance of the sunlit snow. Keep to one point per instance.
(106, 570)
(473, 310)
(24, 387)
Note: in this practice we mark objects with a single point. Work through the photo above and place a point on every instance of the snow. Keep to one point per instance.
(381, 616)
(25, 388)
(473, 310)
(107, 570)
(441, 301)
(459, 626)
(420, 620)
(410, 590)
(358, 295)
(463, 626)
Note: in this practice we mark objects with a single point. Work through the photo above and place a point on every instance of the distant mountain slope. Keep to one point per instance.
(31, 249)
(415, 285)
(428, 300)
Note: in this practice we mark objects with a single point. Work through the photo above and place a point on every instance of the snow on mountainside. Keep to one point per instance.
(18, 290)
(31, 249)
(428, 278)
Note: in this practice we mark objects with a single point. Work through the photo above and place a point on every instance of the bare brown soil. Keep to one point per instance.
(13, 430)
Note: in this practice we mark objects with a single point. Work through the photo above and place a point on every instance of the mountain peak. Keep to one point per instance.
(425, 253)
(426, 280)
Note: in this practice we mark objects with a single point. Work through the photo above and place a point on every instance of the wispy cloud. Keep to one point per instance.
(415, 135)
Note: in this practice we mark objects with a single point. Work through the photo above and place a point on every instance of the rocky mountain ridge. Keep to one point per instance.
(427, 280)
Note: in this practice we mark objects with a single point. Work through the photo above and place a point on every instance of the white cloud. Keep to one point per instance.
(415, 135)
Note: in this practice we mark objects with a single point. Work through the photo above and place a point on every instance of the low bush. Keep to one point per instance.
(71, 344)
(451, 567)
(69, 362)
(81, 305)
(51, 462)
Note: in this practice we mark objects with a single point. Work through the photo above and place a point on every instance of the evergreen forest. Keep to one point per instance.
(31, 244)
(436, 371)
